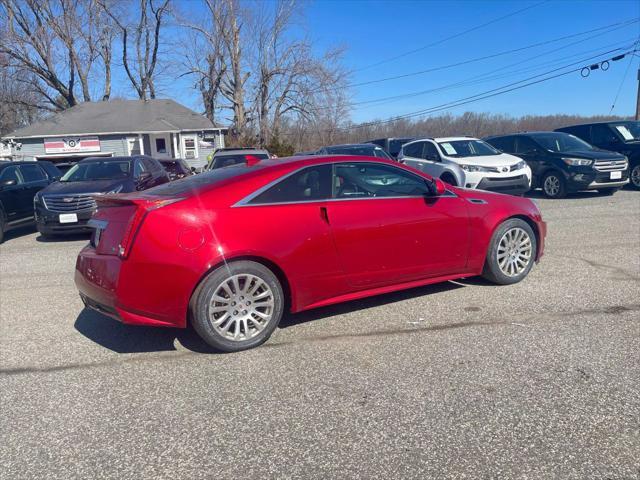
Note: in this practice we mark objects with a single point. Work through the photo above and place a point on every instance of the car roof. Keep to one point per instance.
(199, 183)
(607, 122)
(112, 159)
(354, 145)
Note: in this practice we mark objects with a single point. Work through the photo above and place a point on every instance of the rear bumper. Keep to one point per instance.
(97, 279)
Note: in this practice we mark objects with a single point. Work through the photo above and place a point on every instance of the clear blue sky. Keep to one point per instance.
(373, 31)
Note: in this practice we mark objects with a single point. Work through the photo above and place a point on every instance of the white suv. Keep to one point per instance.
(468, 162)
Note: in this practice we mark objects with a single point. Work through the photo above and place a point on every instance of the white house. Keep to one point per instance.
(159, 128)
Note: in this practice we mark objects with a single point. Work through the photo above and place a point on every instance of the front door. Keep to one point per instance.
(160, 145)
(388, 229)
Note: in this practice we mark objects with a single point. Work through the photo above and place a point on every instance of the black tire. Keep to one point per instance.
(554, 185)
(449, 178)
(492, 270)
(607, 191)
(634, 177)
(200, 306)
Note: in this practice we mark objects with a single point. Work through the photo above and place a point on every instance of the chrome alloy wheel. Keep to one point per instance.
(635, 176)
(551, 185)
(241, 307)
(514, 252)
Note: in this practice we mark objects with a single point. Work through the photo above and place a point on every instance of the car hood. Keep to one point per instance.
(591, 154)
(501, 160)
(93, 186)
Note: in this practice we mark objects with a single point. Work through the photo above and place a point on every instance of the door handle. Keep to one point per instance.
(324, 215)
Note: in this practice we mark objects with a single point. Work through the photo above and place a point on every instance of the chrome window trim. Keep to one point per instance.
(245, 202)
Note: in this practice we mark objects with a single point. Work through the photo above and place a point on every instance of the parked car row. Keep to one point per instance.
(600, 156)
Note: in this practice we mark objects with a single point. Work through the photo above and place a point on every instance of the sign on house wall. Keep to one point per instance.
(72, 145)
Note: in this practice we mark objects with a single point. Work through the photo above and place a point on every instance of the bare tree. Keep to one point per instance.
(143, 38)
(58, 43)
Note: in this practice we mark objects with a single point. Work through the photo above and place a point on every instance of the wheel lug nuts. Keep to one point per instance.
(244, 312)
(233, 304)
(235, 312)
(248, 302)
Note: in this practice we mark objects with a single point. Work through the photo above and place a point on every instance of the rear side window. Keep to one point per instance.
(151, 165)
(308, 184)
(413, 150)
(430, 152)
(32, 173)
(602, 135)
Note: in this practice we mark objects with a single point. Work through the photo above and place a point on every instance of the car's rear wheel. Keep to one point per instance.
(237, 306)
(511, 254)
(634, 177)
(553, 185)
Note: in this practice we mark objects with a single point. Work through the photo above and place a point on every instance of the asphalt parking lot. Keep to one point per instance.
(458, 380)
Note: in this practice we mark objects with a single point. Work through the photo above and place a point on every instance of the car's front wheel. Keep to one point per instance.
(237, 306)
(634, 177)
(511, 253)
(553, 185)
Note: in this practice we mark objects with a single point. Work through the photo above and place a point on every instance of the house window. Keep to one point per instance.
(161, 145)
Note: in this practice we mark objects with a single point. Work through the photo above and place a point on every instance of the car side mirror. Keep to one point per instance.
(436, 187)
(8, 183)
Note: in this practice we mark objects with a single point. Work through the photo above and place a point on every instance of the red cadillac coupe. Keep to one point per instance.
(229, 250)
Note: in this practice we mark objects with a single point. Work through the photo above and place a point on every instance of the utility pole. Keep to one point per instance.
(638, 97)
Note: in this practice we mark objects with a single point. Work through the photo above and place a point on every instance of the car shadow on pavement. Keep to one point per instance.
(538, 195)
(63, 238)
(122, 338)
(19, 232)
(291, 320)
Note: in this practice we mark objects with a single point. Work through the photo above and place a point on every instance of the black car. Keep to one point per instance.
(19, 183)
(366, 149)
(622, 137)
(176, 168)
(66, 206)
(561, 163)
(391, 145)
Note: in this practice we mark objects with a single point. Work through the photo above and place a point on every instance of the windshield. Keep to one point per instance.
(629, 131)
(562, 142)
(467, 148)
(106, 170)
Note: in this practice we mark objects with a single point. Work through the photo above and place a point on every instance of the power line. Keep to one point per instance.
(624, 77)
(482, 77)
(610, 28)
(451, 37)
(482, 96)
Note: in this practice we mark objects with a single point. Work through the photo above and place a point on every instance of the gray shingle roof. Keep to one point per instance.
(117, 116)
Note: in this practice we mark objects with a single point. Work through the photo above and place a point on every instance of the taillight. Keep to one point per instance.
(143, 207)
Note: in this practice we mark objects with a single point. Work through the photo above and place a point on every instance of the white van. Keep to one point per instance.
(468, 162)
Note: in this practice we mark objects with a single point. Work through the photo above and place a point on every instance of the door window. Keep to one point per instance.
(354, 180)
(306, 185)
(430, 152)
(10, 173)
(32, 173)
(414, 150)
